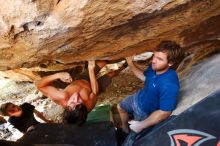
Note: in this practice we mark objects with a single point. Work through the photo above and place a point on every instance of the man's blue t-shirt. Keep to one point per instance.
(159, 92)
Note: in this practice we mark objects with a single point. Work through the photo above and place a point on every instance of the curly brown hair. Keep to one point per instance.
(175, 53)
(77, 116)
(3, 108)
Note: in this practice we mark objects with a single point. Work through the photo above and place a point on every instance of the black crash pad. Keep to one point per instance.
(197, 126)
(12, 143)
(90, 134)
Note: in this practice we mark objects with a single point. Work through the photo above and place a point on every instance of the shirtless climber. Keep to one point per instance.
(80, 96)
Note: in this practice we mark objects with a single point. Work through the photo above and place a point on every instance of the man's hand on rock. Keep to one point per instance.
(65, 77)
(129, 60)
(91, 64)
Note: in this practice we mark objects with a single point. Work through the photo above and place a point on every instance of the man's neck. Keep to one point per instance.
(162, 71)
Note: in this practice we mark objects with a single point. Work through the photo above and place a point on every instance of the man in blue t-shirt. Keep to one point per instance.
(155, 102)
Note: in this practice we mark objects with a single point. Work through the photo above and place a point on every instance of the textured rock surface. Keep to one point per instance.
(51, 33)
(202, 80)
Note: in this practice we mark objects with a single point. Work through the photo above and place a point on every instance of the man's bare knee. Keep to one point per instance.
(120, 109)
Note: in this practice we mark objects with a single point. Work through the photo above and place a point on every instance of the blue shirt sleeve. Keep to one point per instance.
(168, 97)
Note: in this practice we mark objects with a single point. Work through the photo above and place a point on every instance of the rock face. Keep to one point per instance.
(57, 33)
(202, 80)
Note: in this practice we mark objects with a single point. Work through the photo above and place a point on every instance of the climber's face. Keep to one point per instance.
(160, 62)
(13, 110)
(73, 101)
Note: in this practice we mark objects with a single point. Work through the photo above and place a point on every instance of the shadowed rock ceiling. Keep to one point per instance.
(57, 34)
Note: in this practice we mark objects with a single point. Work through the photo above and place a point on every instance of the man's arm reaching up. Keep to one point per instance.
(54, 93)
(93, 80)
(137, 71)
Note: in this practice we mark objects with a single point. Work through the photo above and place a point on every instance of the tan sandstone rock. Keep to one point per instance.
(47, 33)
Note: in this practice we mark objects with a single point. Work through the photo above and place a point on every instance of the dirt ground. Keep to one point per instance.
(123, 85)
